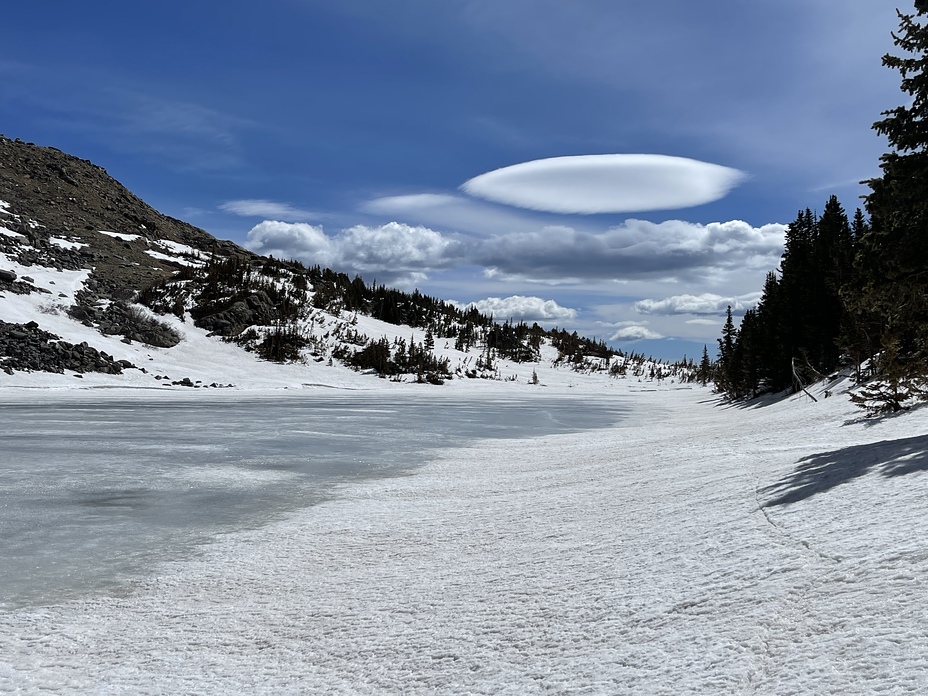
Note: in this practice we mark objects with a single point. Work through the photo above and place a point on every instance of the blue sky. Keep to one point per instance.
(367, 135)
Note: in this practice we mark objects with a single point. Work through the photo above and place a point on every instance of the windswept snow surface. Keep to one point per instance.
(692, 549)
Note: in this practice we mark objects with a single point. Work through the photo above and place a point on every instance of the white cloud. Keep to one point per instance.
(394, 246)
(606, 183)
(392, 251)
(705, 303)
(259, 207)
(702, 322)
(302, 241)
(634, 332)
(636, 249)
(671, 251)
(522, 308)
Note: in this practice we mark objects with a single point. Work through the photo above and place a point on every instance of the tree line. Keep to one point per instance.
(852, 291)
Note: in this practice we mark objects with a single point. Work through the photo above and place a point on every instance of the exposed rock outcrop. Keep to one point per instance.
(27, 347)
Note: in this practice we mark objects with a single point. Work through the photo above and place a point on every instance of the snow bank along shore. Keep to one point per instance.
(693, 548)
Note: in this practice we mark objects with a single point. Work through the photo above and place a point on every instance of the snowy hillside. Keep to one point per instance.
(243, 305)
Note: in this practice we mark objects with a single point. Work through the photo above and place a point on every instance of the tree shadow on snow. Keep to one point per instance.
(822, 472)
(869, 420)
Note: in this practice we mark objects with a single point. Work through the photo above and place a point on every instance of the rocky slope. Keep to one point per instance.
(85, 266)
(74, 199)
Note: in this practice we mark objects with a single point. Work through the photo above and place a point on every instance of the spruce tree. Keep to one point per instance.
(893, 256)
(833, 258)
(704, 372)
(727, 367)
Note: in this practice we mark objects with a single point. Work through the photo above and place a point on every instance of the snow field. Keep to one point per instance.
(650, 558)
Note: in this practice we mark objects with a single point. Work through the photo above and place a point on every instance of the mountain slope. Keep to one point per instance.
(94, 280)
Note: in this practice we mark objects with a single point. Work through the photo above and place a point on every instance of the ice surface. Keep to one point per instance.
(691, 549)
(93, 491)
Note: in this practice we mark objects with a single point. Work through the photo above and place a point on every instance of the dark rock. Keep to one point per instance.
(26, 347)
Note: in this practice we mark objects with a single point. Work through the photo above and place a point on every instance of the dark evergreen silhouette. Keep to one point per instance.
(794, 334)
(852, 292)
(893, 256)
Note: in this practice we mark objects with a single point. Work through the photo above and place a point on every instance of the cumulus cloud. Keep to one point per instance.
(634, 332)
(521, 308)
(616, 183)
(635, 250)
(394, 246)
(302, 241)
(392, 251)
(259, 207)
(705, 303)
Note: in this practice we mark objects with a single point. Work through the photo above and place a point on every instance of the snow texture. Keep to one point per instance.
(66, 243)
(122, 236)
(695, 548)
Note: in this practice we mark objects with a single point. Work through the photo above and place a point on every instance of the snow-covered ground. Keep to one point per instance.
(693, 548)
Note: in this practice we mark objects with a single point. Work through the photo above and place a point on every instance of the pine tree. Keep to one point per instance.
(862, 327)
(727, 367)
(893, 255)
(833, 259)
(774, 368)
(704, 372)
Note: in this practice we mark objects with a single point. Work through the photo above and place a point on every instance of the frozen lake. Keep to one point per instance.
(95, 491)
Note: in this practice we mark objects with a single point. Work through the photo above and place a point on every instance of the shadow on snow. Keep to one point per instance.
(824, 471)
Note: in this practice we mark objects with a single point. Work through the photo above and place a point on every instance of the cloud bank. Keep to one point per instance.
(454, 212)
(635, 250)
(588, 184)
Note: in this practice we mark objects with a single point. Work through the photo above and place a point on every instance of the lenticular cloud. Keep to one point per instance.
(588, 184)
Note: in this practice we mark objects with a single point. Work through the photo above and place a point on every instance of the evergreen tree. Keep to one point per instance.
(747, 352)
(774, 369)
(704, 371)
(833, 259)
(893, 256)
(727, 367)
(799, 318)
